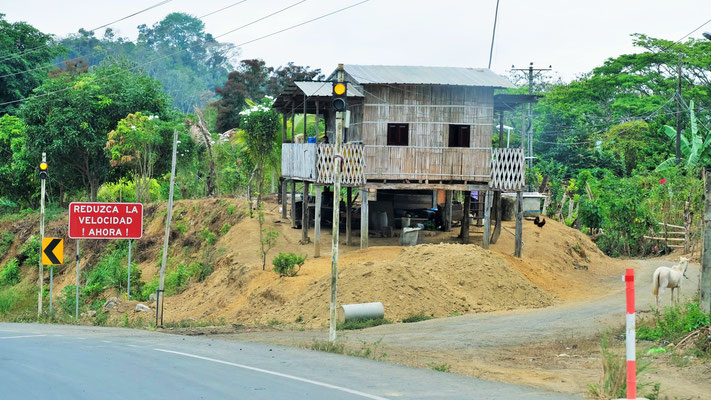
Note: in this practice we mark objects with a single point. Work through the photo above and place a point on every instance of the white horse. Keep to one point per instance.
(665, 277)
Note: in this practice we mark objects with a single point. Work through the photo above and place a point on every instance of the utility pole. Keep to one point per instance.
(337, 160)
(678, 111)
(43, 168)
(160, 292)
(529, 129)
(493, 34)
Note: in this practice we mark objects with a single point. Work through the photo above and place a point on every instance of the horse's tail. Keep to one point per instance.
(655, 283)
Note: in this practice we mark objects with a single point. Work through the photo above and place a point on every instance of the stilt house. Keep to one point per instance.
(409, 130)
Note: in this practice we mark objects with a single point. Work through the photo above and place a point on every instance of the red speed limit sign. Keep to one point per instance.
(105, 220)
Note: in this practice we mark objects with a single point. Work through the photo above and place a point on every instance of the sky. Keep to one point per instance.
(572, 36)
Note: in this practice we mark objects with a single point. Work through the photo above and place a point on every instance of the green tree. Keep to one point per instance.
(134, 143)
(70, 116)
(22, 48)
(260, 127)
(17, 180)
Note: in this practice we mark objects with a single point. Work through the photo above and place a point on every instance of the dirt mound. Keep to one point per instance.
(559, 259)
(438, 280)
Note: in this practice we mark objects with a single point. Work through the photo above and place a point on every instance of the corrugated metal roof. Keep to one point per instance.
(418, 75)
(324, 89)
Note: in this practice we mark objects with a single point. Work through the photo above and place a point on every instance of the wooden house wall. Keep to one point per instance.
(428, 110)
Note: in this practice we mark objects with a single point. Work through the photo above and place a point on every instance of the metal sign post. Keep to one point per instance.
(76, 289)
(337, 160)
(41, 266)
(52, 254)
(128, 283)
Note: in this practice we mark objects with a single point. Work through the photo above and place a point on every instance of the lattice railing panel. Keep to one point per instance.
(508, 169)
(353, 165)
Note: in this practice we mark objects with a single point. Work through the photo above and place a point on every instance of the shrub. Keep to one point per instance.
(7, 300)
(672, 324)
(200, 270)
(6, 241)
(285, 264)
(421, 316)
(362, 323)
(225, 228)
(30, 250)
(181, 227)
(10, 274)
(67, 299)
(208, 236)
(231, 209)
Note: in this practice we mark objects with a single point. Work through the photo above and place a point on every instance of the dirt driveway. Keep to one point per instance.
(555, 348)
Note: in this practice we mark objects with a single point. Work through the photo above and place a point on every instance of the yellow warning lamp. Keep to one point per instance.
(43, 170)
(339, 96)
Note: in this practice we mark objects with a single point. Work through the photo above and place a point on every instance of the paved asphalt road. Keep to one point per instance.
(74, 362)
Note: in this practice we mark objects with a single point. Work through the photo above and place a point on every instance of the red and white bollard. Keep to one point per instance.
(630, 336)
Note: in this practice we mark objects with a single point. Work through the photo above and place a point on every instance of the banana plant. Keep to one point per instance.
(696, 149)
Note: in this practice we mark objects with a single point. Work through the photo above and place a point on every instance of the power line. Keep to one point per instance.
(94, 29)
(226, 33)
(221, 9)
(692, 32)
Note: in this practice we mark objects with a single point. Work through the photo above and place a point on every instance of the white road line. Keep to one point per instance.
(106, 341)
(58, 335)
(19, 337)
(265, 371)
(133, 345)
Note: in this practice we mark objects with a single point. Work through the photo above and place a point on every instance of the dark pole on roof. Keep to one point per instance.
(493, 35)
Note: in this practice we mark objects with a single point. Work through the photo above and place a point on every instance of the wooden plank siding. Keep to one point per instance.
(428, 110)
(298, 161)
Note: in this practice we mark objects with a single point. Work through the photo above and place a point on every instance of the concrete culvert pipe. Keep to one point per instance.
(349, 312)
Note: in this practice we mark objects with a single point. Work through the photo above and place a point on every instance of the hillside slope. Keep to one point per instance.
(439, 279)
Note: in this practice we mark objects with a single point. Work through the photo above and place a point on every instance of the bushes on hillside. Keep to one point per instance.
(10, 274)
(285, 264)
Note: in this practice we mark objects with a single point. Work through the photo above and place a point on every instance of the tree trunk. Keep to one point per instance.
(93, 189)
(705, 280)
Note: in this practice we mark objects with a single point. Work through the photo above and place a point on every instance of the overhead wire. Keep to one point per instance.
(15, 55)
(218, 36)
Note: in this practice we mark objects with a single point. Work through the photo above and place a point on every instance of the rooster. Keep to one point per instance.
(539, 223)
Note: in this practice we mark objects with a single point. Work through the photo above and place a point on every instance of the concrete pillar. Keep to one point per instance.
(349, 207)
(487, 219)
(364, 218)
(305, 215)
(317, 223)
(519, 224)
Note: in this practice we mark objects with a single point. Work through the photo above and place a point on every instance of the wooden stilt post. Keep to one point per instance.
(305, 215)
(284, 191)
(363, 218)
(283, 128)
(498, 215)
(465, 216)
(305, 133)
(487, 220)
(293, 204)
(448, 211)
(317, 222)
(498, 193)
(519, 224)
(349, 207)
(293, 112)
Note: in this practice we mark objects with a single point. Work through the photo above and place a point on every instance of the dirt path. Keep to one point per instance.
(510, 346)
